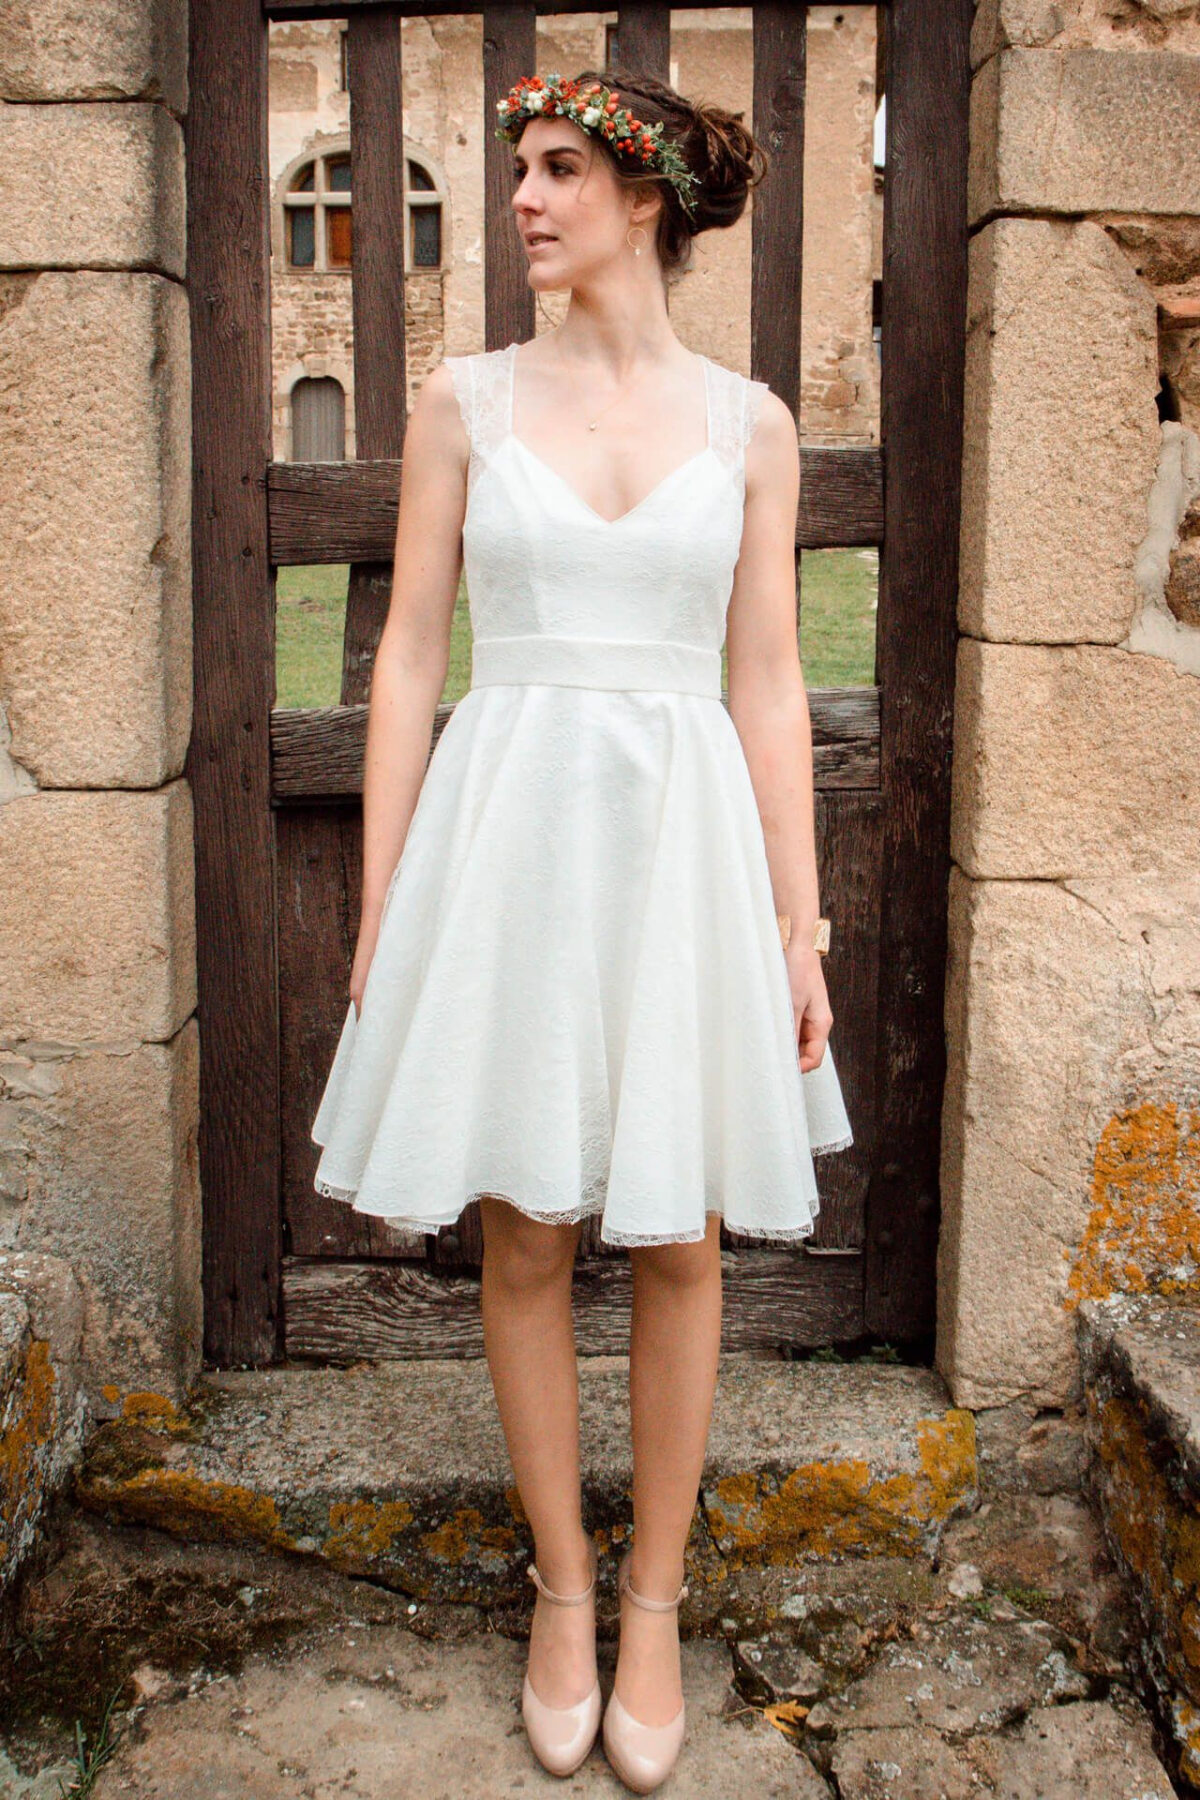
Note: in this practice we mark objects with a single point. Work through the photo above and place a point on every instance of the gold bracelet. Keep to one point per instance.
(820, 941)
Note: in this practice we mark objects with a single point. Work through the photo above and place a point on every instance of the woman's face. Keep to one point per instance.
(564, 191)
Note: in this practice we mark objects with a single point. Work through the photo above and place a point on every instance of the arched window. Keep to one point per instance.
(318, 420)
(318, 220)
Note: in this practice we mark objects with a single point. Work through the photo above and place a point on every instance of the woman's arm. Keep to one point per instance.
(769, 706)
(409, 674)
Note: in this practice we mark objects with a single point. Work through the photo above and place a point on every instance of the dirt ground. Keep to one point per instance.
(145, 1666)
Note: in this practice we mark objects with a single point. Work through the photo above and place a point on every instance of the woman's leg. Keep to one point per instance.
(529, 1339)
(674, 1347)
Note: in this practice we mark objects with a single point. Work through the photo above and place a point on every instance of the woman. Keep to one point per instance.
(568, 995)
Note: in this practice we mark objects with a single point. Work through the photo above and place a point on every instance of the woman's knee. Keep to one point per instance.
(682, 1265)
(523, 1251)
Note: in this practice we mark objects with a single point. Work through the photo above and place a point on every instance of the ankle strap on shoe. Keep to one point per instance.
(653, 1605)
(559, 1599)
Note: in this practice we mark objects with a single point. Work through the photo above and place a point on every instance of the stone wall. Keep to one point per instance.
(1071, 1128)
(98, 1035)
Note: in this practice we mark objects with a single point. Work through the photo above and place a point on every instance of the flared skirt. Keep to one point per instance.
(578, 999)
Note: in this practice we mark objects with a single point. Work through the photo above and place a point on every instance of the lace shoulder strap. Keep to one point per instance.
(736, 402)
(482, 385)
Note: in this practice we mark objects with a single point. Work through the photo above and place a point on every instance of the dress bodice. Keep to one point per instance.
(636, 601)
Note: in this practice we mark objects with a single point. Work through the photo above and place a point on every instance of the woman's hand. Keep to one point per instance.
(364, 953)
(810, 1004)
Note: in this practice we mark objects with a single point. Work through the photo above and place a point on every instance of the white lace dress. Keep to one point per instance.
(578, 999)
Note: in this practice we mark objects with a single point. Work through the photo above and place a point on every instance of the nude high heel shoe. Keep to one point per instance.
(561, 1736)
(642, 1755)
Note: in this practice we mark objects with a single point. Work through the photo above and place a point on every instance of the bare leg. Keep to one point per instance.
(529, 1339)
(674, 1347)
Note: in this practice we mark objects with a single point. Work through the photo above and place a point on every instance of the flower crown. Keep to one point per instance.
(598, 109)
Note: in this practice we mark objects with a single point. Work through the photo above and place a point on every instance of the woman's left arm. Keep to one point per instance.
(769, 706)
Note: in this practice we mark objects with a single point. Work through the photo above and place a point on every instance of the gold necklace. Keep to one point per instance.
(592, 423)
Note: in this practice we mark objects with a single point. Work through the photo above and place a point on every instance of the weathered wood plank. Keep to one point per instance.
(341, 9)
(346, 512)
(924, 313)
(233, 602)
(317, 752)
(780, 39)
(644, 37)
(509, 51)
(772, 1298)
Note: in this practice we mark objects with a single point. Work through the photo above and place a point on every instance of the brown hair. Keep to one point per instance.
(715, 145)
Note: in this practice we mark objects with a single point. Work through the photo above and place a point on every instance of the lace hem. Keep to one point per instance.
(842, 1143)
(574, 1215)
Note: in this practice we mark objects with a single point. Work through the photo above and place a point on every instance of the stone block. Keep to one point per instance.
(48, 1289)
(1084, 130)
(398, 1471)
(1073, 760)
(100, 184)
(95, 527)
(95, 50)
(999, 23)
(1049, 1024)
(111, 1183)
(97, 917)
(1061, 433)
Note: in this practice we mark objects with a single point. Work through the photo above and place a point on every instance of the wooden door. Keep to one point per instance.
(277, 792)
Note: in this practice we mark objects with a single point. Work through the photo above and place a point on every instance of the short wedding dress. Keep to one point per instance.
(578, 999)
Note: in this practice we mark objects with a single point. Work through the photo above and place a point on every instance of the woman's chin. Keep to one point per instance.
(543, 282)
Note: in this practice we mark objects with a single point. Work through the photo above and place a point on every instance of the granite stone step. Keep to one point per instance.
(399, 1471)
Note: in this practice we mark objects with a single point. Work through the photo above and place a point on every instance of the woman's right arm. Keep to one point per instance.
(409, 673)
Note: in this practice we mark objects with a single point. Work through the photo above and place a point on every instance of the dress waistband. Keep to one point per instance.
(596, 663)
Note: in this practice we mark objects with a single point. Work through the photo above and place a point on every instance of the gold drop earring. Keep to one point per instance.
(637, 248)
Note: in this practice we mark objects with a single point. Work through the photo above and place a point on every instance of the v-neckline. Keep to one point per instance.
(587, 506)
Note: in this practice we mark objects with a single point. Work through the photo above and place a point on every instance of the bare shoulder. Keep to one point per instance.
(438, 420)
(773, 452)
(440, 389)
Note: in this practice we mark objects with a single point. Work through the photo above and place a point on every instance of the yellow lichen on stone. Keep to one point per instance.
(451, 1540)
(361, 1531)
(187, 1504)
(1186, 1720)
(27, 1431)
(155, 1411)
(1156, 1533)
(1143, 1227)
(513, 1496)
(947, 1449)
(831, 1508)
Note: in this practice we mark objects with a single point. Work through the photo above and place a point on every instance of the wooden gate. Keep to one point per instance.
(278, 793)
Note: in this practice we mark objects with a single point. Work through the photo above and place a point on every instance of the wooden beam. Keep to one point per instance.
(644, 37)
(509, 51)
(317, 752)
(772, 1299)
(924, 315)
(780, 32)
(346, 512)
(228, 761)
(436, 9)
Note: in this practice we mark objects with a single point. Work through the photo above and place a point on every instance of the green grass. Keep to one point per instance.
(837, 628)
